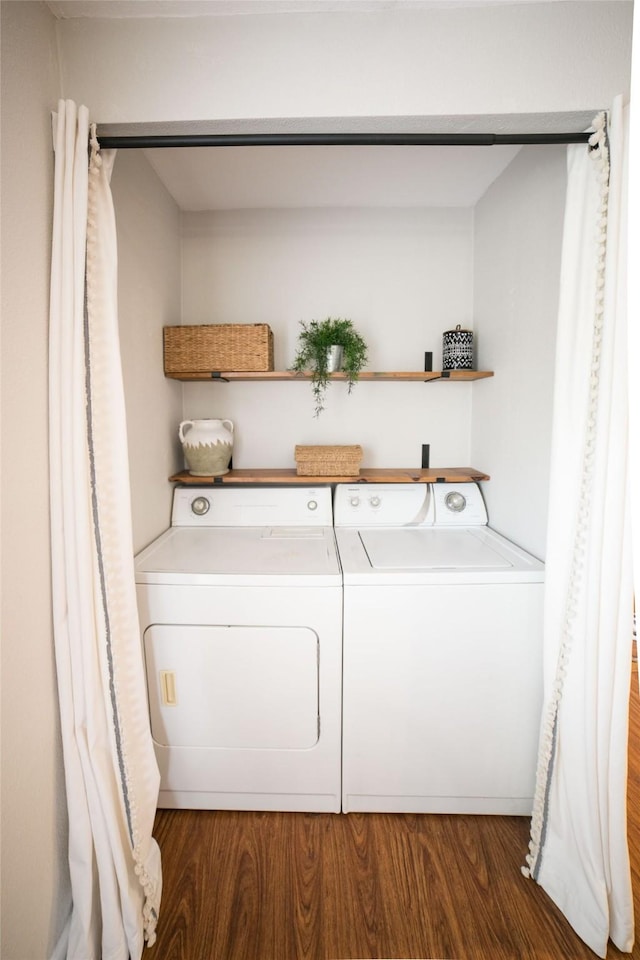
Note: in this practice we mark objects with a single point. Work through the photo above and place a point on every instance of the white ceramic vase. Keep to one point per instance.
(207, 446)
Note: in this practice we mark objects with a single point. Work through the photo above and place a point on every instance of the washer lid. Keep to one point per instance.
(408, 555)
(248, 555)
(431, 549)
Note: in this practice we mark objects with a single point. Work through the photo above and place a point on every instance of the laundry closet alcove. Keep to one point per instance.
(405, 270)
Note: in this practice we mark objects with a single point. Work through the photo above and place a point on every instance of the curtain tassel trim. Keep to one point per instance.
(599, 152)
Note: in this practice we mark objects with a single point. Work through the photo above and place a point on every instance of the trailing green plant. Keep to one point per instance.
(313, 346)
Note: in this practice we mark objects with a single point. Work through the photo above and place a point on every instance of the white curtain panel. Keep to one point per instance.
(578, 849)
(110, 770)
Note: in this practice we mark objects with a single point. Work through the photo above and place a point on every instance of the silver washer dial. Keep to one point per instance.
(200, 506)
(455, 502)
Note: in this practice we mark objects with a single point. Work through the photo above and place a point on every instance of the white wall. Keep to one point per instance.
(458, 59)
(518, 232)
(403, 276)
(377, 67)
(148, 227)
(35, 884)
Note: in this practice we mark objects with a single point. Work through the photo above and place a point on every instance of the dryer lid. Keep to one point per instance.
(243, 555)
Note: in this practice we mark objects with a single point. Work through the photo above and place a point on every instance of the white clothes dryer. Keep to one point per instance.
(240, 606)
(442, 661)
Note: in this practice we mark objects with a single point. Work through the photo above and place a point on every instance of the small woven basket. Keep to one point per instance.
(240, 347)
(329, 461)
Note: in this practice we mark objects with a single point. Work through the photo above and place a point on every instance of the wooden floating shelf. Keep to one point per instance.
(365, 376)
(374, 475)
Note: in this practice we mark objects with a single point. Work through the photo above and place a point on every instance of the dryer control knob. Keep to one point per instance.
(355, 501)
(200, 506)
(374, 501)
(312, 505)
(455, 502)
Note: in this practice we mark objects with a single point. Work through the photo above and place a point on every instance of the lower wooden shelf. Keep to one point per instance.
(373, 475)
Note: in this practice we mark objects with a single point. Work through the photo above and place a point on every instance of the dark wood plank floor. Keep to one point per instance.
(277, 886)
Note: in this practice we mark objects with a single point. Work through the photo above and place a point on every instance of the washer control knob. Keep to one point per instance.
(374, 501)
(312, 505)
(200, 506)
(455, 502)
(354, 501)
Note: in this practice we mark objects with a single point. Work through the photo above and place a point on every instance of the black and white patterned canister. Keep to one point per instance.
(457, 349)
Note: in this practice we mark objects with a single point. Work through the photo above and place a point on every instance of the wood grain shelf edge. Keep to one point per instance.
(367, 376)
(372, 475)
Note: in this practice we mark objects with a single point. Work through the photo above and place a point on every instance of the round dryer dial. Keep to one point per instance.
(200, 506)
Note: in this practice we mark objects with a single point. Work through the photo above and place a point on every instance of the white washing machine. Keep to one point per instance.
(240, 606)
(442, 661)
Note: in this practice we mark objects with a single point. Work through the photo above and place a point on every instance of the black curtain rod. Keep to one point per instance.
(337, 139)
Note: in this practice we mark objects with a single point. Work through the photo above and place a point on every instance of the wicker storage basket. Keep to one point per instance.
(328, 461)
(218, 347)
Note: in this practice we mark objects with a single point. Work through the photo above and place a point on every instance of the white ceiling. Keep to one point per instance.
(211, 178)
